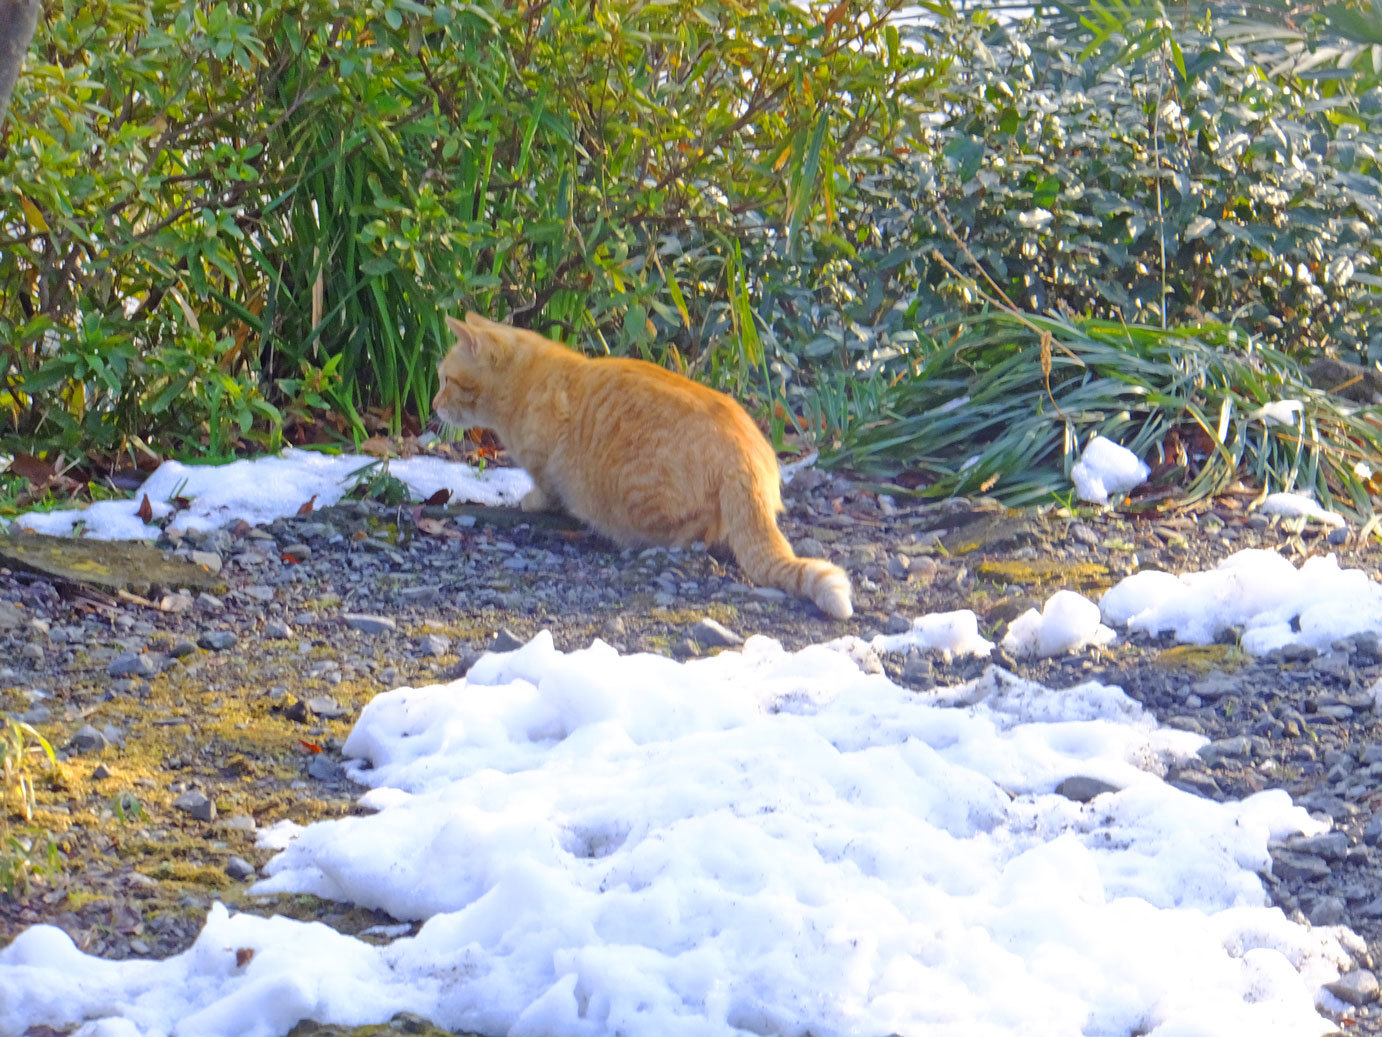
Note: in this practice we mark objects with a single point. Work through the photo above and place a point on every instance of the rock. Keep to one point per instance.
(428, 595)
(32, 654)
(182, 649)
(325, 706)
(209, 602)
(259, 592)
(1332, 846)
(296, 552)
(196, 803)
(1335, 664)
(323, 768)
(768, 594)
(239, 869)
(710, 634)
(505, 640)
(433, 645)
(1298, 867)
(897, 624)
(1233, 747)
(1082, 789)
(278, 630)
(100, 772)
(369, 624)
(1372, 834)
(217, 640)
(132, 664)
(208, 560)
(1328, 911)
(87, 740)
(1358, 987)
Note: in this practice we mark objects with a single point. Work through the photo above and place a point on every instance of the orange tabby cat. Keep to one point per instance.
(642, 455)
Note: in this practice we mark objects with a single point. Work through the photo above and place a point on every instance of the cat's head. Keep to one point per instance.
(470, 371)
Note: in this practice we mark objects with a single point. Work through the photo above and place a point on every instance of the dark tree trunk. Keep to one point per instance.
(18, 19)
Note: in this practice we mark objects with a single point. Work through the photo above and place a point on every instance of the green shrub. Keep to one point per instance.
(214, 216)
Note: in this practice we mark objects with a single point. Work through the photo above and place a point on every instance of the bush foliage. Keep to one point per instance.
(214, 214)
(218, 220)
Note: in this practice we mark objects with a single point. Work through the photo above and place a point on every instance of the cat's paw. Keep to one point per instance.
(536, 499)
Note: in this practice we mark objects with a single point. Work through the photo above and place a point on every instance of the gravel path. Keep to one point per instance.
(184, 728)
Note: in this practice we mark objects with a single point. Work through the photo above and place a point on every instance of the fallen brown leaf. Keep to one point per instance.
(439, 498)
(145, 514)
(377, 446)
(308, 505)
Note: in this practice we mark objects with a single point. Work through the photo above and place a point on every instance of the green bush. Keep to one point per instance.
(1176, 186)
(214, 217)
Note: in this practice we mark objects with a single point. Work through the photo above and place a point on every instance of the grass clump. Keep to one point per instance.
(25, 851)
(1002, 403)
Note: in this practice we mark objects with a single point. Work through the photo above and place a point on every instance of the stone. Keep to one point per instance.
(323, 768)
(209, 602)
(1233, 747)
(278, 630)
(433, 645)
(1332, 846)
(239, 869)
(87, 740)
(259, 592)
(505, 640)
(427, 595)
(1372, 833)
(710, 634)
(197, 804)
(325, 706)
(1334, 664)
(182, 649)
(1298, 867)
(208, 560)
(1328, 911)
(32, 654)
(369, 624)
(131, 664)
(217, 640)
(100, 772)
(296, 553)
(1358, 987)
(1081, 789)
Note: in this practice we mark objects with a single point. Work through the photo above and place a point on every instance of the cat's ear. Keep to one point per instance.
(465, 335)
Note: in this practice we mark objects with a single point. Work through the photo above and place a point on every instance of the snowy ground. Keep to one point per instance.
(765, 842)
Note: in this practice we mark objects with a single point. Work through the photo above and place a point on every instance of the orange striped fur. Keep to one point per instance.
(639, 453)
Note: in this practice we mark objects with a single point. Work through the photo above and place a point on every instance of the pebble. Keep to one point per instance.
(278, 630)
(369, 624)
(197, 804)
(710, 634)
(132, 664)
(428, 595)
(239, 869)
(1358, 987)
(505, 640)
(1082, 789)
(217, 640)
(209, 602)
(208, 560)
(87, 740)
(1298, 866)
(296, 552)
(434, 645)
(325, 706)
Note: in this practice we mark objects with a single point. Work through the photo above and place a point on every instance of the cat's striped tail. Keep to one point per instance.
(767, 558)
